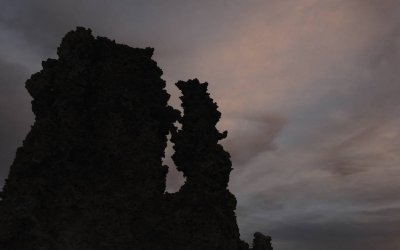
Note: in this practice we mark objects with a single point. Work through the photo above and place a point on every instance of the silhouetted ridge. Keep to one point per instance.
(203, 202)
(89, 175)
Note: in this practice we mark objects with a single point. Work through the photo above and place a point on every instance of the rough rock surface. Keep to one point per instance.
(89, 175)
(203, 206)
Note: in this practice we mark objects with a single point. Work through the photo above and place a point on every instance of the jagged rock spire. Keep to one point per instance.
(198, 155)
(261, 242)
(204, 200)
(89, 175)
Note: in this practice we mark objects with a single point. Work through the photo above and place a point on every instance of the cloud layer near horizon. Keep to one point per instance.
(308, 91)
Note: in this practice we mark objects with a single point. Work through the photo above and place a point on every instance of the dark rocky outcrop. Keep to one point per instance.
(89, 175)
(261, 242)
(204, 206)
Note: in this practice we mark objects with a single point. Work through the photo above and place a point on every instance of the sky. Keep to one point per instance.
(309, 92)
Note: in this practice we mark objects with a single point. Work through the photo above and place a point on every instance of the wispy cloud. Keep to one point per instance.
(308, 92)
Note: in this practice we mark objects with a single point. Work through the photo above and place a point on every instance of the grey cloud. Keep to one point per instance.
(15, 115)
(368, 128)
(346, 235)
(342, 160)
(173, 28)
(175, 178)
(322, 227)
(250, 136)
(320, 171)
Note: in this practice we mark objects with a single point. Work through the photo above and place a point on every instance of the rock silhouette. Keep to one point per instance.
(89, 174)
(203, 207)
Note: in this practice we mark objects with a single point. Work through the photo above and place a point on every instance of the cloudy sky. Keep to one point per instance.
(309, 91)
